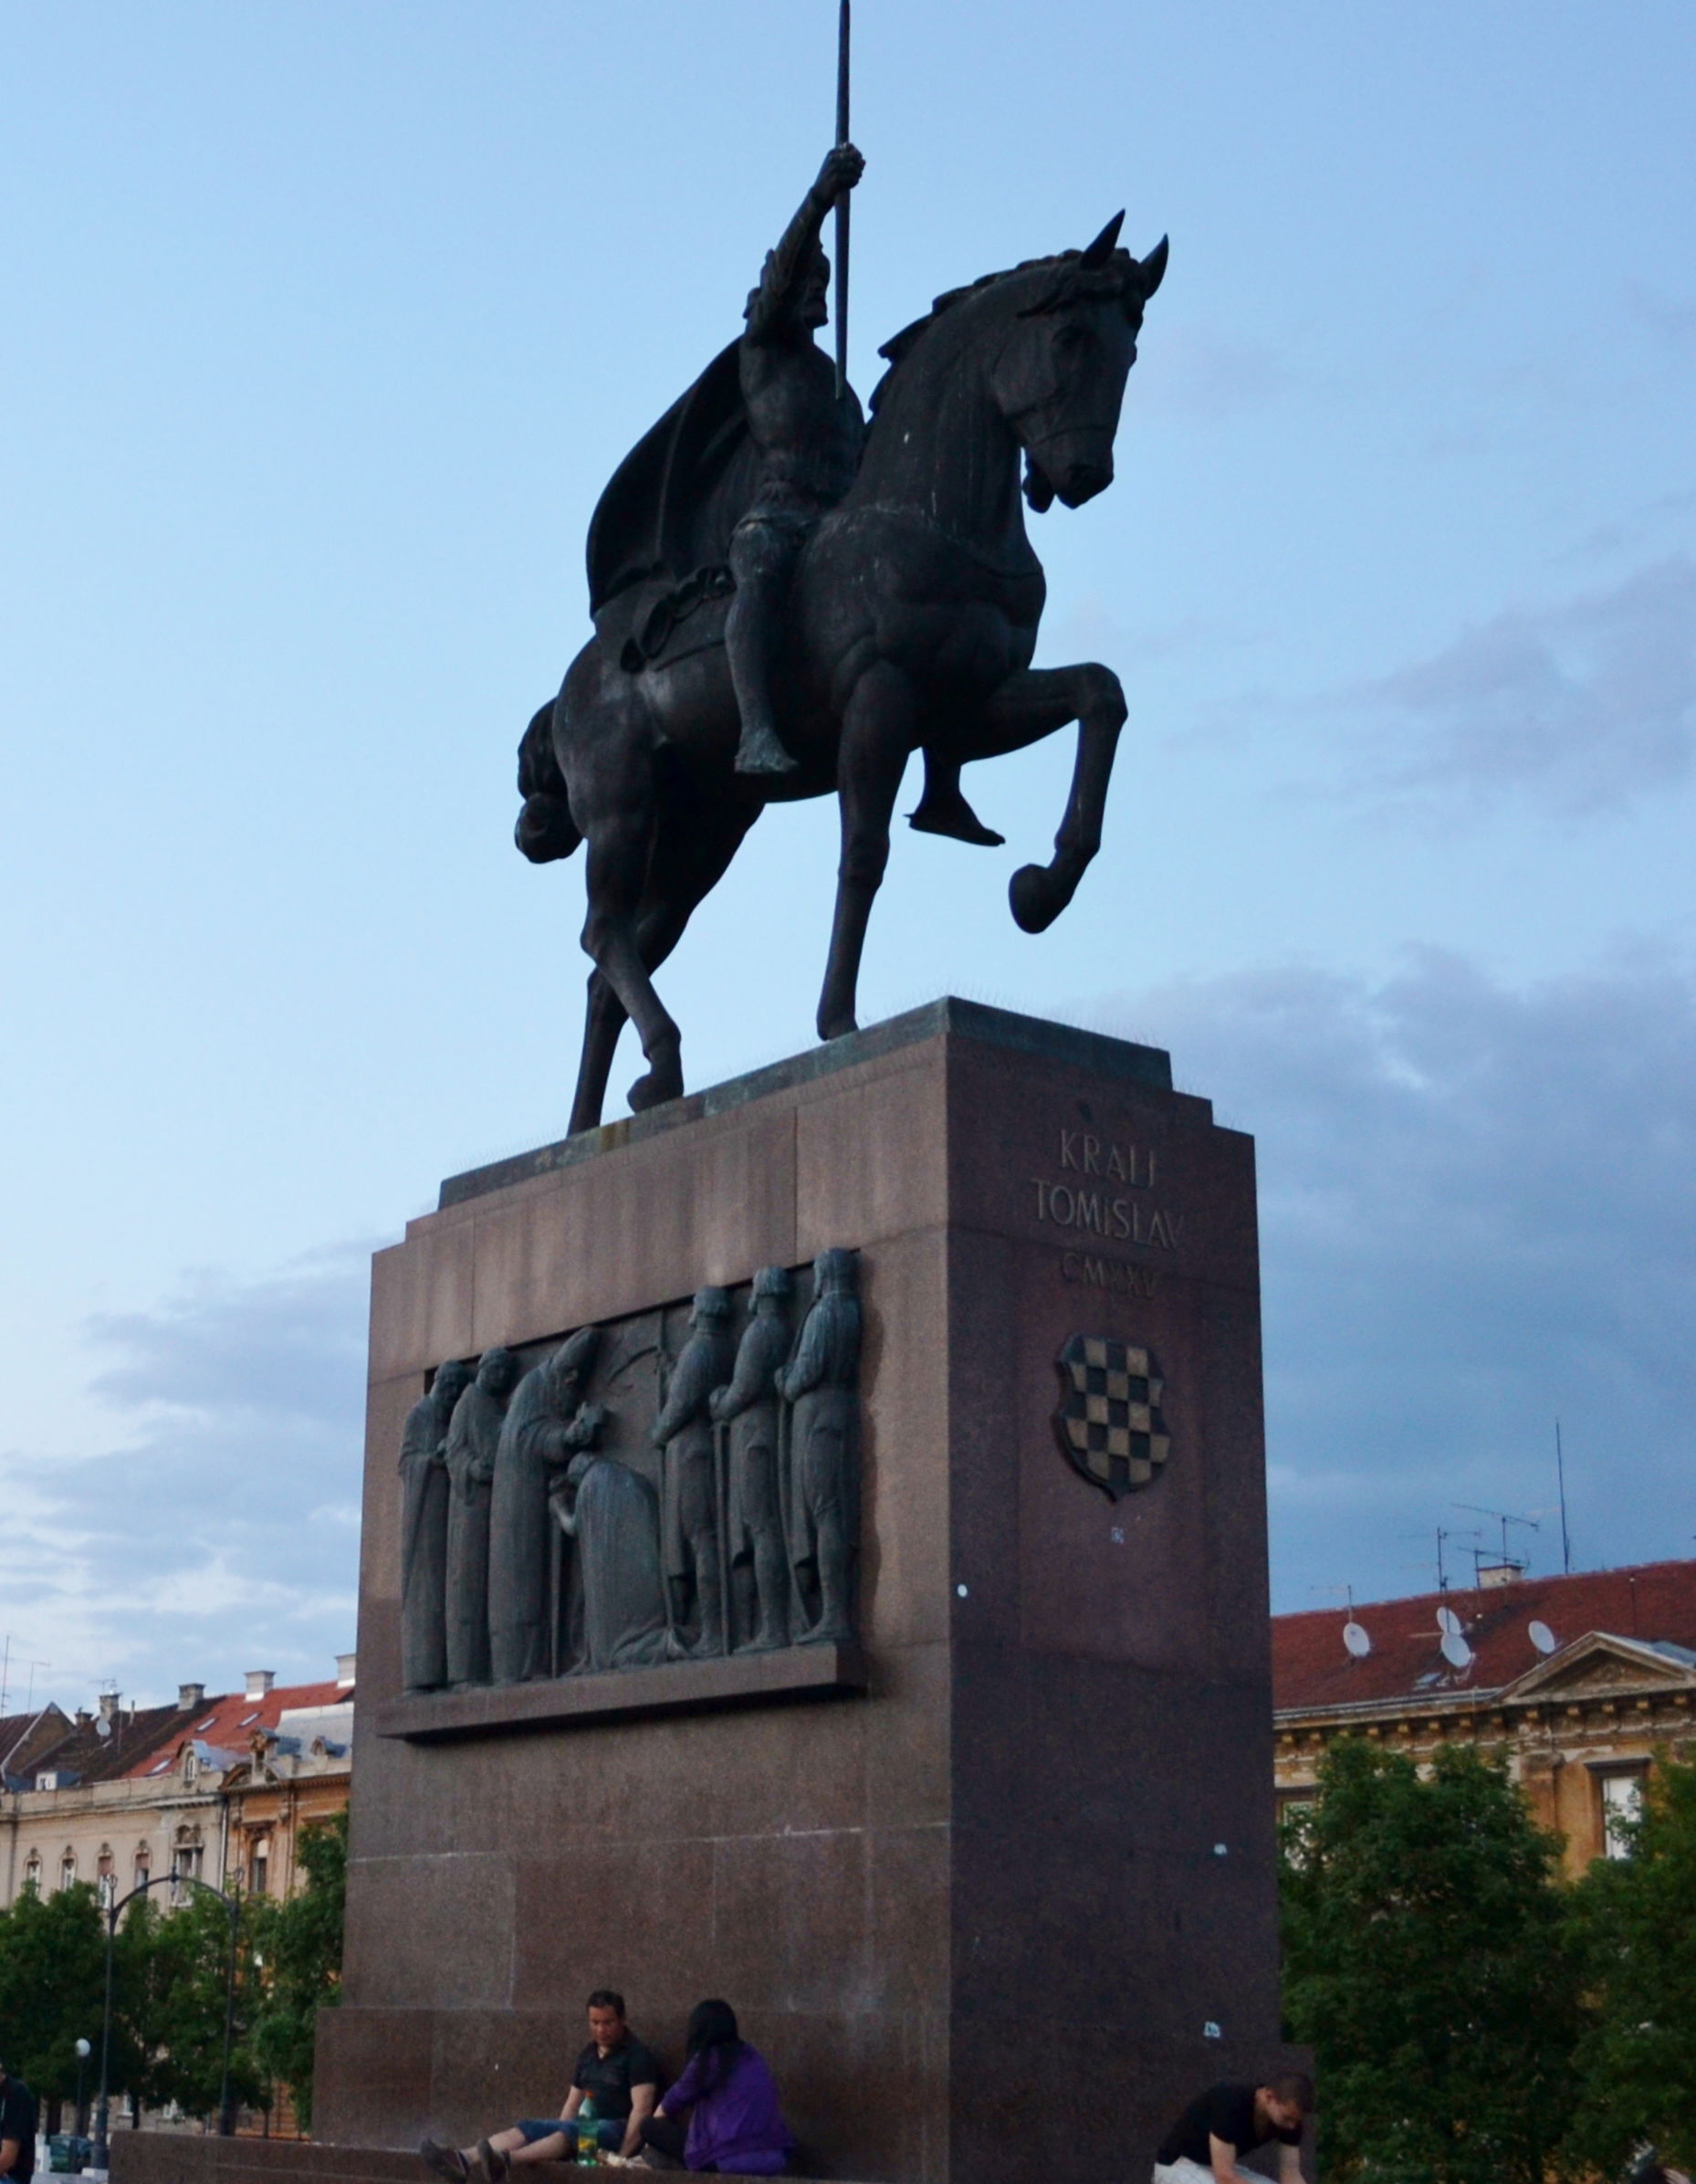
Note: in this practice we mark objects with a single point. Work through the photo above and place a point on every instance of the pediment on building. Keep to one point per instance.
(1602, 1662)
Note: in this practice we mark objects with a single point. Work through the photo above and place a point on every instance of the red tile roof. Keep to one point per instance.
(1312, 1668)
(227, 1723)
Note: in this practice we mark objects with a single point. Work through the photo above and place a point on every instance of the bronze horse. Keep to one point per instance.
(911, 622)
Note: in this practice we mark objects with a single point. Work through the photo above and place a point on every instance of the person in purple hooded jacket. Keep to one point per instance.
(735, 2124)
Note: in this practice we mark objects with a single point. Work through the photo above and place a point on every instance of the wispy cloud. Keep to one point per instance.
(1476, 1203)
(218, 1530)
(1203, 375)
(1580, 707)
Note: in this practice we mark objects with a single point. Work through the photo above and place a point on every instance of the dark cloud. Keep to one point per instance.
(1477, 1206)
(1579, 707)
(220, 1529)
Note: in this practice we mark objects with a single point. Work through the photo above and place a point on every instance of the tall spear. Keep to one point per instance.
(842, 202)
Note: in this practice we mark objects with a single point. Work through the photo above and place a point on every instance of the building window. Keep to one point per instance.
(32, 1872)
(143, 1868)
(1622, 1806)
(259, 1865)
(106, 1879)
(68, 1869)
(184, 1864)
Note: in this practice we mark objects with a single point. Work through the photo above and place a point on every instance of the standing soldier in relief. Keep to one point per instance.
(423, 1531)
(822, 1387)
(689, 1518)
(471, 1439)
(547, 1423)
(758, 1562)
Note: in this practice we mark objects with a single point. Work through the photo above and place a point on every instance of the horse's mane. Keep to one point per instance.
(1071, 285)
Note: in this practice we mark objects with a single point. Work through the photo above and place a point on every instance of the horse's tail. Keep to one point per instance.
(546, 828)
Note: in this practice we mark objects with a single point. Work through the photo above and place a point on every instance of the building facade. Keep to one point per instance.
(1579, 1682)
(215, 1789)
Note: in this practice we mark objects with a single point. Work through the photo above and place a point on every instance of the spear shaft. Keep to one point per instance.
(842, 202)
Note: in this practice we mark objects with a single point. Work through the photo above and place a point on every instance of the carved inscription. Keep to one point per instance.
(1119, 1277)
(1100, 1193)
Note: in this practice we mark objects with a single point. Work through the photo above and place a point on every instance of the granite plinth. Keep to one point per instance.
(1056, 1783)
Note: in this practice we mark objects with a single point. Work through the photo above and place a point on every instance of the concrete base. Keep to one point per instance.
(999, 1913)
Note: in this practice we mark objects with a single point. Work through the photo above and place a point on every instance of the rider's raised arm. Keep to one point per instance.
(783, 280)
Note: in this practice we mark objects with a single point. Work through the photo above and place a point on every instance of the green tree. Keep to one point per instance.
(174, 2000)
(1428, 1963)
(301, 1943)
(1635, 1923)
(52, 1986)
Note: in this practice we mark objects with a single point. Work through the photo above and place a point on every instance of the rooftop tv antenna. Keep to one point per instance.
(1503, 1517)
(1560, 1478)
(1356, 1638)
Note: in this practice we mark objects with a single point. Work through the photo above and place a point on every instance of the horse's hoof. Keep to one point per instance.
(837, 1027)
(659, 1083)
(1036, 900)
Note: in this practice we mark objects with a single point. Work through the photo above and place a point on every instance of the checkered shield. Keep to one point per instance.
(1110, 1424)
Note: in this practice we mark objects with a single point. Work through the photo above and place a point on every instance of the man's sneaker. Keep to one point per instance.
(443, 2160)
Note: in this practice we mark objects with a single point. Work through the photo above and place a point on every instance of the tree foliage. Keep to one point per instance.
(52, 1986)
(1430, 1964)
(301, 1946)
(1635, 1923)
(171, 1988)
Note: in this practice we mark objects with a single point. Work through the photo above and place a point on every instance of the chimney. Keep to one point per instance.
(108, 1706)
(1492, 1575)
(345, 1670)
(85, 1720)
(259, 1682)
(191, 1697)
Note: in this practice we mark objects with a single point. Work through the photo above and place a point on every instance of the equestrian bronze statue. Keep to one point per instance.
(880, 596)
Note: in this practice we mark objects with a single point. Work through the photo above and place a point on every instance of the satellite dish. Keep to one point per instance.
(1448, 1622)
(102, 1728)
(1359, 1645)
(1543, 1638)
(1456, 1651)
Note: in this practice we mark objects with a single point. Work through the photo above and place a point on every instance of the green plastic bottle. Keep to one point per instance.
(588, 2144)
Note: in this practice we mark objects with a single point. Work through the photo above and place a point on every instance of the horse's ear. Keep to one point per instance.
(1100, 252)
(1153, 268)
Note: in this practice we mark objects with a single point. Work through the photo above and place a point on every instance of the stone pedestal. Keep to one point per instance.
(994, 1891)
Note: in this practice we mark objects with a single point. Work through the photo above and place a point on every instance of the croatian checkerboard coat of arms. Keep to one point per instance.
(1110, 1424)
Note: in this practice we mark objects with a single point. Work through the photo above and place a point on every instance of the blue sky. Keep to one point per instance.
(324, 329)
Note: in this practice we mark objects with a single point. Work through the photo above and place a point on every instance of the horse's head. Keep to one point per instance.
(1058, 378)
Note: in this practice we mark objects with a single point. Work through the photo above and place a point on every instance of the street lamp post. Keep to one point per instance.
(226, 2116)
(83, 2051)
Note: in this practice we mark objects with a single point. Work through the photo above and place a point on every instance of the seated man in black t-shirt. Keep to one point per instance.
(17, 2129)
(615, 2078)
(1226, 2122)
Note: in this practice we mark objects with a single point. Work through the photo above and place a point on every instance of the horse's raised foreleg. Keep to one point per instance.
(876, 740)
(1025, 708)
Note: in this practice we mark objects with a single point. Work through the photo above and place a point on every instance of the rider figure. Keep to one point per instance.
(809, 444)
(808, 440)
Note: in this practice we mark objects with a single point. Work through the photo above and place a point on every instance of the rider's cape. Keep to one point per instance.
(659, 542)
